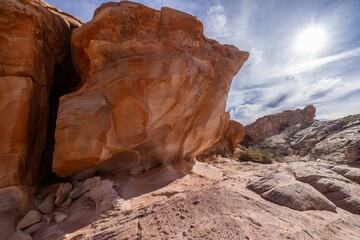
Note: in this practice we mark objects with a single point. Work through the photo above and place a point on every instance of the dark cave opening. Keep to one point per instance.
(66, 80)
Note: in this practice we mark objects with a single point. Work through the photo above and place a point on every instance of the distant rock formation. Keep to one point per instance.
(336, 141)
(154, 91)
(270, 125)
(35, 39)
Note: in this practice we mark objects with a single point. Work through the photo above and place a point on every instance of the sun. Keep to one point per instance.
(311, 40)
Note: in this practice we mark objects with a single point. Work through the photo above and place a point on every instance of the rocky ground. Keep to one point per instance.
(223, 199)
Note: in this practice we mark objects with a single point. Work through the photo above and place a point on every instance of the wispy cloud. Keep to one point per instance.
(316, 63)
(216, 20)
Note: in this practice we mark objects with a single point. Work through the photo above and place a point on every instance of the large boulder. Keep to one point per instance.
(154, 91)
(34, 38)
(343, 193)
(283, 189)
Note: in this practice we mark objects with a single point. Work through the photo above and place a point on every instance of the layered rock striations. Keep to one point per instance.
(153, 91)
(270, 125)
(335, 141)
(34, 39)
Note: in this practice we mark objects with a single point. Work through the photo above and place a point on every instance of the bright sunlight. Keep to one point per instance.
(311, 40)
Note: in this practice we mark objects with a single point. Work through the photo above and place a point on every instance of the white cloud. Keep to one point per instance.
(256, 57)
(313, 64)
(216, 21)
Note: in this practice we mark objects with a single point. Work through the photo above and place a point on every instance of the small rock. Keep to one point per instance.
(32, 217)
(20, 235)
(77, 191)
(34, 228)
(47, 219)
(47, 205)
(67, 203)
(104, 195)
(50, 189)
(91, 182)
(196, 202)
(62, 193)
(88, 173)
(84, 187)
(60, 217)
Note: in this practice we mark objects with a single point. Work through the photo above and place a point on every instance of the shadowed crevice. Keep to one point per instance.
(66, 80)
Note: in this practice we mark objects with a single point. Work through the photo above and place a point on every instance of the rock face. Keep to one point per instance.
(154, 91)
(283, 189)
(230, 139)
(34, 39)
(342, 193)
(332, 141)
(15, 201)
(270, 125)
(234, 134)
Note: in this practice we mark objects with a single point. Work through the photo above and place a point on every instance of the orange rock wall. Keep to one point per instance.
(33, 39)
(154, 91)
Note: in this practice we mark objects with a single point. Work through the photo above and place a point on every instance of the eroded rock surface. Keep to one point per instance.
(340, 191)
(15, 201)
(333, 141)
(29, 219)
(154, 91)
(348, 172)
(213, 202)
(270, 125)
(336, 141)
(283, 189)
(34, 39)
(230, 139)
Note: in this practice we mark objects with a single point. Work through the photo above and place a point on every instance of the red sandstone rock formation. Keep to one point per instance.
(154, 91)
(270, 125)
(231, 138)
(234, 134)
(34, 37)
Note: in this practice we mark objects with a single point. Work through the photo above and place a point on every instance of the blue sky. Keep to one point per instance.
(281, 72)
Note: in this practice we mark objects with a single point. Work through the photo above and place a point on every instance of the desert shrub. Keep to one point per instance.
(258, 156)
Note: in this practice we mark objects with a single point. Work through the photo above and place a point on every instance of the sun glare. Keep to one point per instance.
(311, 40)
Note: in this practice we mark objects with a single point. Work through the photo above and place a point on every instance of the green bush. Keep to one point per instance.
(258, 156)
